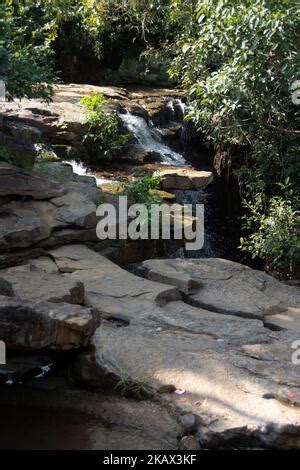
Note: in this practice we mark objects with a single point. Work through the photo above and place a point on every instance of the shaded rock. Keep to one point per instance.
(16, 181)
(26, 325)
(24, 224)
(19, 256)
(166, 389)
(165, 272)
(128, 424)
(31, 283)
(24, 133)
(30, 222)
(189, 443)
(75, 209)
(183, 178)
(189, 423)
(69, 235)
(238, 331)
(62, 172)
(6, 288)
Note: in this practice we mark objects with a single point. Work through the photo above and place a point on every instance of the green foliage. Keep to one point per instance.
(138, 190)
(26, 32)
(274, 230)
(138, 389)
(103, 132)
(32, 32)
(239, 65)
(6, 155)
(239, 69)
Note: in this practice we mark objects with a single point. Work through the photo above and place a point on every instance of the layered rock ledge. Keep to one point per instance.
(237, 374)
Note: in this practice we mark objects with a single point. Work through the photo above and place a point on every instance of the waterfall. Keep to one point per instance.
(79, 169)
(149, 138)
(215, 242)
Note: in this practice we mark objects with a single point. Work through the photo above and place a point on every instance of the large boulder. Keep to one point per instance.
(47, 214)
(29, 325)
(224, 381)
(16, 181)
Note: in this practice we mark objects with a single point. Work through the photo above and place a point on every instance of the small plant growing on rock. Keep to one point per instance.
(104, 135)
(6, 155)
(138, 191)
(138, 389)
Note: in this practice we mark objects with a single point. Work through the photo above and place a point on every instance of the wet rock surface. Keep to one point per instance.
(65, 417)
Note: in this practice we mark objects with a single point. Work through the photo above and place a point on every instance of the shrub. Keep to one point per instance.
(103, 135)
(274, 231)
(138, 190)
(239, 64)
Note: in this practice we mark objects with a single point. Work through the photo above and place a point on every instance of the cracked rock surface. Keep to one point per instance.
(237, 374)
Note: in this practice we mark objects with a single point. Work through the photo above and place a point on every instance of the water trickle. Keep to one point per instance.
(79, 169)
(149, 139)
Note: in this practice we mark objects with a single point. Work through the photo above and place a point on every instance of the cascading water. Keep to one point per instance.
(215, 243)
(79, 169)
(149, 139)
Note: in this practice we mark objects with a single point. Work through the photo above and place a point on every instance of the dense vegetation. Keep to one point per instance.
(238, 60)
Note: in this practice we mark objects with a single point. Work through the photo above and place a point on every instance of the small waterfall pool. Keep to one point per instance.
(149, 139)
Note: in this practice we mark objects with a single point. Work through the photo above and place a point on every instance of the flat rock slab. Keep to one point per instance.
(31, 282)
(230, 288)
(223, 384)
(27, 325)
(108, 287)
(234, 372)
(183, 178)
(288, 319)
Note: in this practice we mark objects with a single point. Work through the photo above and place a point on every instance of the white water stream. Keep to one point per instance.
(149, 139)
(79, 169)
